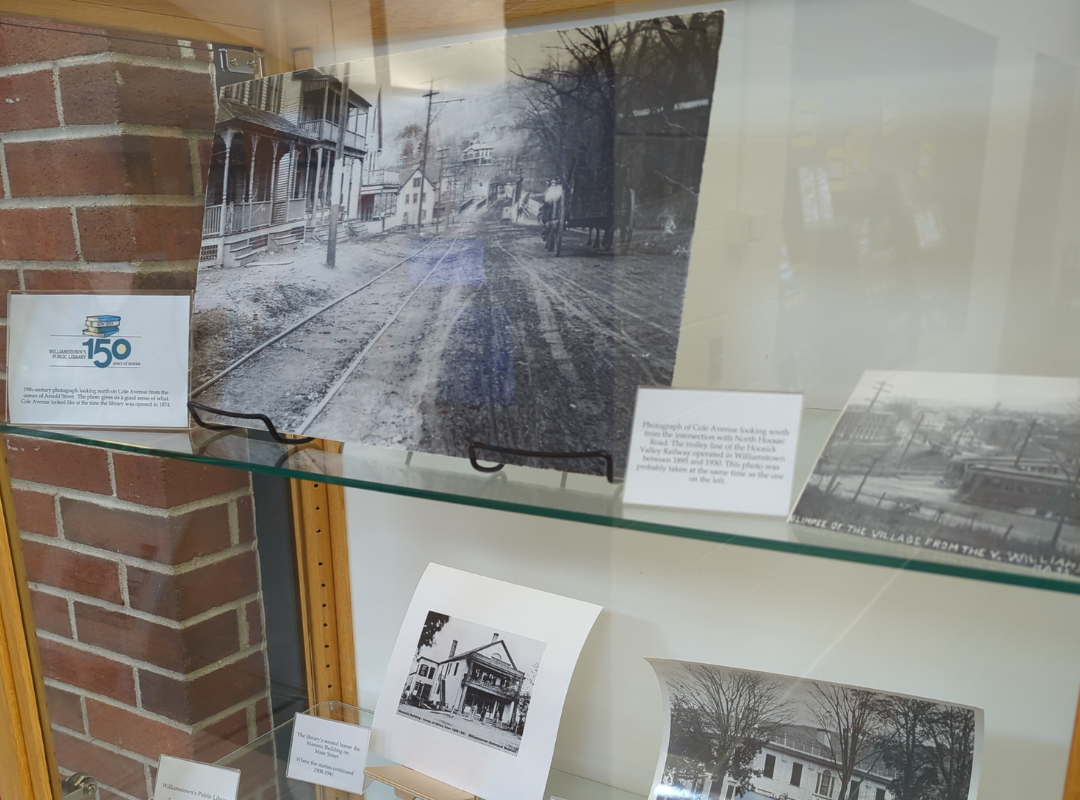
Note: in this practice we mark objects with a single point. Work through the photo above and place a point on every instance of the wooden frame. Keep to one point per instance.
(325, 600)
(27, 761)
(284, 31)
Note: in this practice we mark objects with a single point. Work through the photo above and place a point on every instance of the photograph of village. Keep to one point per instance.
(472, 680)
(986, 466)
(756, 736)
(485, 242)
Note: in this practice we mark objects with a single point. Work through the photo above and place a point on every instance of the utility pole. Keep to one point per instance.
(339, 164)
(437, 207)
(910, 440)
(431, 94)
(882, 386)
(1023, 447)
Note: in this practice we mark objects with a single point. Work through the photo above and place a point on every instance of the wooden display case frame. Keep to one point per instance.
(284, 33)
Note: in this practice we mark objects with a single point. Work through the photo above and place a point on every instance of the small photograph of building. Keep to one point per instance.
(472, 680)
(757, 736)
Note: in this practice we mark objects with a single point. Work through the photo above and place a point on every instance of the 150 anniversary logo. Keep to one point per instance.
(101, 347)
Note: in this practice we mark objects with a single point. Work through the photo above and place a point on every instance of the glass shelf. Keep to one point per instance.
(549, 493)
(264, 761)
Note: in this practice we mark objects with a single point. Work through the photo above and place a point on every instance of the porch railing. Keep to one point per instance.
(297, 209)
(248, 216)
(211, 221)
(328, 131)
(243, 217)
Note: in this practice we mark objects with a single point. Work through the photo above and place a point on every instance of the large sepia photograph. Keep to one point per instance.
(485, 242)
(735, 733)
(986, 466)
(472, 680)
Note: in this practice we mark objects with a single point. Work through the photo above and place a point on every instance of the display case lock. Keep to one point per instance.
(78, 785)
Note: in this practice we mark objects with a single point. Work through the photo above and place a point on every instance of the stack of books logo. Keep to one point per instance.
(103, 325)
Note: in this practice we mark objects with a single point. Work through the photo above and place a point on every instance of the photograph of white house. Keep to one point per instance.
(472, 680)
(757, 736)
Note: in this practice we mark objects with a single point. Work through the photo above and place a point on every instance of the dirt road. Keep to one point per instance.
(483, 336)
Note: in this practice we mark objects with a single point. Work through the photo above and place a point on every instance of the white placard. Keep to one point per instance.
(475, 687)
(712, 450)
(328, 753)
(98, 360)
(179, 779)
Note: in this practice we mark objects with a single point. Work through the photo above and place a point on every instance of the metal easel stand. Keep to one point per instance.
(475, 447)
(194, 409)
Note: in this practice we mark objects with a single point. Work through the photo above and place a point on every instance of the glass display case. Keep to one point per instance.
(886, 185)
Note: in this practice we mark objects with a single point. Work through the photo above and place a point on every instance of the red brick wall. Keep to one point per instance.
(143, 571)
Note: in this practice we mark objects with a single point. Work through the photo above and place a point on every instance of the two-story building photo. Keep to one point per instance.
(274, 174)
(474, 681)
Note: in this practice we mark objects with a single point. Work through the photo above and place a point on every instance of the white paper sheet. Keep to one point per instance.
(489, 645)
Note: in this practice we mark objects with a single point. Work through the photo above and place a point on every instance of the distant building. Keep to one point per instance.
(483, 684)
(862, 425)
(478, 154)
(378, 195)
(415, 201)
(274, 174)
(794, 764)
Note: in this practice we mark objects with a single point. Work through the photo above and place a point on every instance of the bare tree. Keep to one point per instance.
(904, 748)
(951, 732)
(851, 719)
(722, 718)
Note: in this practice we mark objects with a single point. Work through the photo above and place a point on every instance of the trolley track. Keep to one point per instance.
(314, 413)
(295, 326)
(324, 342)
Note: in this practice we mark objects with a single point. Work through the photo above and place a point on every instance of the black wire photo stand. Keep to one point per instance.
(194, 408)
(474, 447)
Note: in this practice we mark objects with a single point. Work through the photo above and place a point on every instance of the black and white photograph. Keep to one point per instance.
(735, 733)
(984, 466)
(472, 680)
(474, 690)
(482, 242)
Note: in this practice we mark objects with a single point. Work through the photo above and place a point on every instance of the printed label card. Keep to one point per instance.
(328, 753)
(179, 779)
(713, 451)
(98, 360)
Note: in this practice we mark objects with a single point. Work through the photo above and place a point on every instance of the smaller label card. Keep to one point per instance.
(178, 779)
(98, 360)
(715, 451)
(328, 753)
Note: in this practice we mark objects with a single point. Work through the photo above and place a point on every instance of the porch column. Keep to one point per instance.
(318, 180)
(274, 177)
(348, 195)
(293, 151)
(251, 169)
(325, 193)
(227, 137)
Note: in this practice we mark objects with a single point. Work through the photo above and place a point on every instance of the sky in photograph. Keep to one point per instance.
(1014, 392)
(797, 690)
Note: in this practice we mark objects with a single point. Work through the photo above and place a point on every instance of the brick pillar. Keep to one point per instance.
(143, 571)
